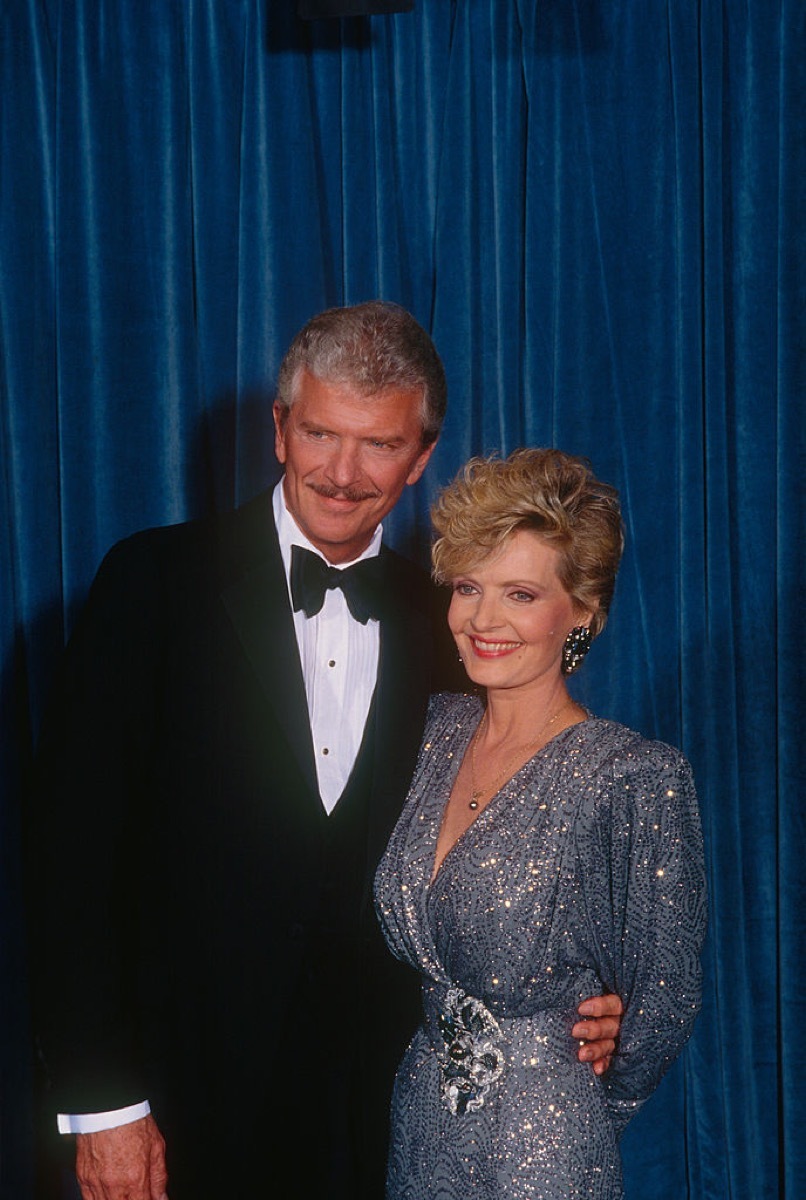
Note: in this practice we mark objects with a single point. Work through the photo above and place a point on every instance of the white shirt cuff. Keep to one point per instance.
(96, 1122)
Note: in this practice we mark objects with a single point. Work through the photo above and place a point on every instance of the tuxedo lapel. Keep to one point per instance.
(258, 606)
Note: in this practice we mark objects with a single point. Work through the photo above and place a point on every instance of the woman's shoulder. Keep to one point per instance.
(625, 751)
(644, 788)
(449, 711)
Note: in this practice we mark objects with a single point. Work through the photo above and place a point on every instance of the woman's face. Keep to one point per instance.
(510, 615)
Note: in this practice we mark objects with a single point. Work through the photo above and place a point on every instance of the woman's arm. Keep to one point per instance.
(659, 917)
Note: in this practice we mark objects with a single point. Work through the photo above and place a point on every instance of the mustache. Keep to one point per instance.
(335, 493)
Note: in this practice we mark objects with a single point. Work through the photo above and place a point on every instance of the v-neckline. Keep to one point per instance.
(437, 869)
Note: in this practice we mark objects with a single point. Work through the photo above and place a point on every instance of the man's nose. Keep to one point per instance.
(343, 464)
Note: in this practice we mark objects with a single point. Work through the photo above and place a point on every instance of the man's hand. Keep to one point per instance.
(125, 1163)
(599, 1030)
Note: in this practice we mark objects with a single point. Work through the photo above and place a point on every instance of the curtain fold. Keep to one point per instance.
(597, 212)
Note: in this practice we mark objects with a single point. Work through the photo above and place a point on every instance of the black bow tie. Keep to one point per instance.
(362, 584)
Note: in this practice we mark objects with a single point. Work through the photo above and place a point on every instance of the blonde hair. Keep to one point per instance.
(554, 494)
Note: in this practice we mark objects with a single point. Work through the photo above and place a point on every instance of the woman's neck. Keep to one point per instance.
(513, 717)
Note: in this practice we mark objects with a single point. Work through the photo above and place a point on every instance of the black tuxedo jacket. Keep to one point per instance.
(176, 841)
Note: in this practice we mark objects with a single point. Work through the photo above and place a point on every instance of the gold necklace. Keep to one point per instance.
(476, 793)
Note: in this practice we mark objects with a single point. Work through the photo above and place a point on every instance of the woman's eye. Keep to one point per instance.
(463, 589)
(522, 597)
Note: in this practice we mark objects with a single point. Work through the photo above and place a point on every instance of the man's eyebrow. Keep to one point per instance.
(307, 423)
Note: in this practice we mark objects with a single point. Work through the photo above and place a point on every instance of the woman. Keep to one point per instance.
(543, 855)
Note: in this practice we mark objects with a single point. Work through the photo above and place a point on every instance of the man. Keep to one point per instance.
(219, 773)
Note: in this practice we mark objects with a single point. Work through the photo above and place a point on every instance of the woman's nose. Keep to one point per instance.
(486, 614)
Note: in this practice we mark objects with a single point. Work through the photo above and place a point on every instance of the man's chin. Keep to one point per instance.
(340, 536)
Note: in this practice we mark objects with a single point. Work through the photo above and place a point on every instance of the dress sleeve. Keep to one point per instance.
(659, 917)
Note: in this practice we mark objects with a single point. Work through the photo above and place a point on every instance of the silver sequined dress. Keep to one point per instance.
(584, 873)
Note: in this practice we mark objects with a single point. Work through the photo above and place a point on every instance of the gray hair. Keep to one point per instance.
(373, 347)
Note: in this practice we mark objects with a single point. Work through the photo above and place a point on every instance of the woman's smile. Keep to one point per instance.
(488, 649)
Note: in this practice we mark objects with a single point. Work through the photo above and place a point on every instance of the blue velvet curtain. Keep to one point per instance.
(596, 209)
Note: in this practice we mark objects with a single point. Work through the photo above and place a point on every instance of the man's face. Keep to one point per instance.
(347, 458)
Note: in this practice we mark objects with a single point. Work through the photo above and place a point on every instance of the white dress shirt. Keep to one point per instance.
(339, 658)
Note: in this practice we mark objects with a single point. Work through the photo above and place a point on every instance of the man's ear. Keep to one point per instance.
(420, 463)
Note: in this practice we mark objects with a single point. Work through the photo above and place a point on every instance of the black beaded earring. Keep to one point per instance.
(575, 647)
